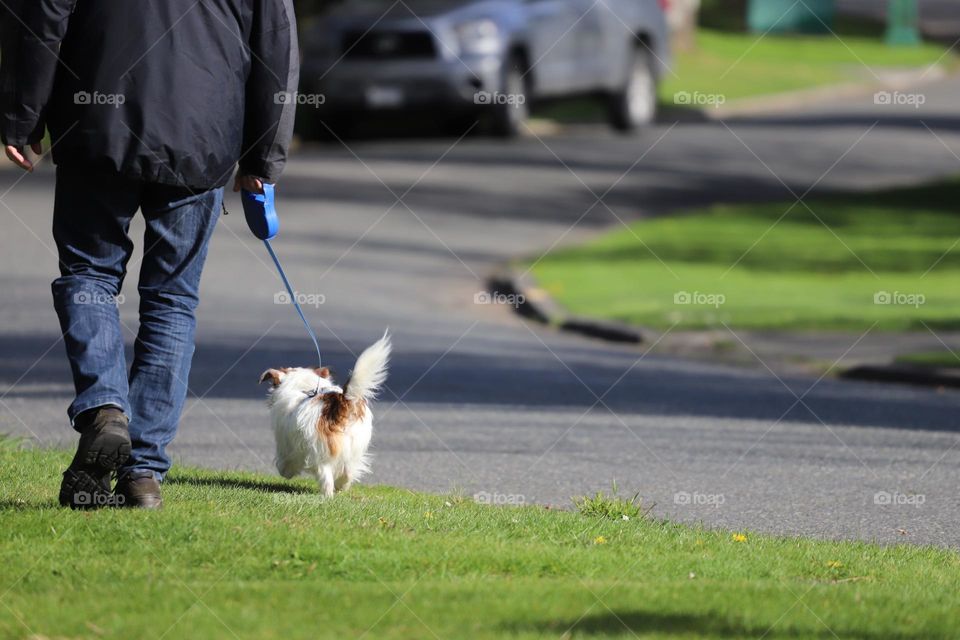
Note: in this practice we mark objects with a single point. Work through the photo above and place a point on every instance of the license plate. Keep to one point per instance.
(384, 97)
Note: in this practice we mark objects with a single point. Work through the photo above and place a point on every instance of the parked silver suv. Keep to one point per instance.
(451, 57)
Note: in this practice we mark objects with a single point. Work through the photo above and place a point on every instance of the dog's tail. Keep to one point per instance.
(370, 372)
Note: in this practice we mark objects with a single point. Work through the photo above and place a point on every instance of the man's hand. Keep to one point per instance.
(15, 154)
(252, 184)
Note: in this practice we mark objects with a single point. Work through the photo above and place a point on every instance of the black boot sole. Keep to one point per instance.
(86, 482)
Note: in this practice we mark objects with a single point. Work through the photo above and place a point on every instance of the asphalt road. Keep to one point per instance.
(402, 234)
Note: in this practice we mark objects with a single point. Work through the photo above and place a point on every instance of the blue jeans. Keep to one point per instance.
(92, 213)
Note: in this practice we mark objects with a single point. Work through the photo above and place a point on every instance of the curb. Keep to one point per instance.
(904, 374)
(536, 304)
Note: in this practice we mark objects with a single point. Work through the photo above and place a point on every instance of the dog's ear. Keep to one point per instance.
(323, 372)
(273, 375)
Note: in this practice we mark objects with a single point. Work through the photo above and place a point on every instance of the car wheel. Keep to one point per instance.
(510, 111)
(635, 104)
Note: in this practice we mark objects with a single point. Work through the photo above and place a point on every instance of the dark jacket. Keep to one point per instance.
(168, 91)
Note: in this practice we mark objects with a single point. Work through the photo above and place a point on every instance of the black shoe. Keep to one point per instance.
(104, 446)
(139, 490)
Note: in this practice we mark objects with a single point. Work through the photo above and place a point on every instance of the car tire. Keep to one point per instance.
(634, 105)
(507, 119)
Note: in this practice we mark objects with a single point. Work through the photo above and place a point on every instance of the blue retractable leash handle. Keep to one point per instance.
(261, 215)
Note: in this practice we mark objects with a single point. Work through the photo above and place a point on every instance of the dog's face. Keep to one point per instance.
(307, 402)
(300, 381)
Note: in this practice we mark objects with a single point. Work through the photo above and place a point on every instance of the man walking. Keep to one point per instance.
(150, 105)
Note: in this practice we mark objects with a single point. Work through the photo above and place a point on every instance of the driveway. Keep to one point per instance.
(403, 233)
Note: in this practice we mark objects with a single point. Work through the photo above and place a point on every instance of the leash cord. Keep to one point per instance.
(293, 299)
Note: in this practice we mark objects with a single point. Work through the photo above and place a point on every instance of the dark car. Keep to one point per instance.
(492, 57)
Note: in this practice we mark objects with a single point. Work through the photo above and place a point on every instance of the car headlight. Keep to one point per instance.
(478, 37)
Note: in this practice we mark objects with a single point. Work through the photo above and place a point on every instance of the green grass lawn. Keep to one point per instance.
(731, 63)
(244, 556)
(802, 272)
(741, 65)
(932, 359)
(737, 64)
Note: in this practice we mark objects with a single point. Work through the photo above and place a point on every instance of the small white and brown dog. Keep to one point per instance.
(321, 428)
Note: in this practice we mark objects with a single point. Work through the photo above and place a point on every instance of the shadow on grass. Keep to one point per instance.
(639, 623)
(238, 483)
(9, 504)
(902, 230)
